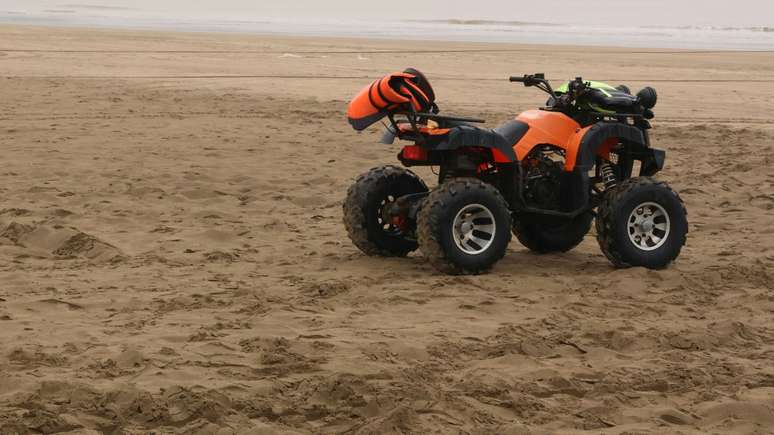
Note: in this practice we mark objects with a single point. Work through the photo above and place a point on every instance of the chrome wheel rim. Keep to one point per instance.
(648, 226)
(474, 229)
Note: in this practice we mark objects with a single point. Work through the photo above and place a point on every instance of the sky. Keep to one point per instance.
(594, 12)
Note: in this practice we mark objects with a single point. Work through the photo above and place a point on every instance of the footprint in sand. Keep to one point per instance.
(58, 241)
(765, 202)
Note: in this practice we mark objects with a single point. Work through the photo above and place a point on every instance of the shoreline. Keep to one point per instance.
(219, 30)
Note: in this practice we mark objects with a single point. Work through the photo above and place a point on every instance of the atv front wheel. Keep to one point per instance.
(642, 222)
(366, 201)
(464, 226)
(552, 234)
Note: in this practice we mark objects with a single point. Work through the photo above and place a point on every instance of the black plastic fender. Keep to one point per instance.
(601, 132)
(503, 138)
(575, 185)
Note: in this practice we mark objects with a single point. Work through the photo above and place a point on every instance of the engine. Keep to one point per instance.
(542, 171)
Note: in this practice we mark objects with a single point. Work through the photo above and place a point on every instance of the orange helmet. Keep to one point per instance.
(407, 91)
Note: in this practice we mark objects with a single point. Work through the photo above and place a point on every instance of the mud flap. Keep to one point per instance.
(652, 162)
(574, 190)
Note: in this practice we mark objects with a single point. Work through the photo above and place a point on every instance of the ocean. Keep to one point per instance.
(674, 37)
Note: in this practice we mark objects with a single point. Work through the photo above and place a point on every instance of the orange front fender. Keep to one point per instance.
(545, 128)
(572, 147)
(550, 128)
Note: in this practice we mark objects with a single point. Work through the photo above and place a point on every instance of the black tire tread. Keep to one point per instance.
(530, 238)
(606, 217)
(357, 197)
(428, 222)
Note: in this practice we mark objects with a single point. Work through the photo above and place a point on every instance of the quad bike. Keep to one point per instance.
(543, 176)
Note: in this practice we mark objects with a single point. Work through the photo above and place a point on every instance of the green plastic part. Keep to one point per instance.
(600, 86)
(604, 87)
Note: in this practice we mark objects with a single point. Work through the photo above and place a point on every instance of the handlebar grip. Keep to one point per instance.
(518, 79)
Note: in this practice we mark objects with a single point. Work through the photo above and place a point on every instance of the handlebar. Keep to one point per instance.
(576, 88)
(574, 91)
(537, 80)
(530, 79)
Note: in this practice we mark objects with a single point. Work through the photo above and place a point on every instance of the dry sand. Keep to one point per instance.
(172, 256)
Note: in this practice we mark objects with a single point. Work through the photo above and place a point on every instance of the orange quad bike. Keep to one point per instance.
(543, 176)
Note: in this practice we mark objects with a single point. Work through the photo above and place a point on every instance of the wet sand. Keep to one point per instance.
(172, 256)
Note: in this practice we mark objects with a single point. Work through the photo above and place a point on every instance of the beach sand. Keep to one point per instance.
(172, 256)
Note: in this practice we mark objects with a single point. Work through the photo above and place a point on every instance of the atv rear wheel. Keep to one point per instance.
(464, 226)
(363, 211)
(552, 234)
(641, 222)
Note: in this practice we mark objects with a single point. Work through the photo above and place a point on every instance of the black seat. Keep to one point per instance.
(506, 135)
(512, 131)
(502, 138)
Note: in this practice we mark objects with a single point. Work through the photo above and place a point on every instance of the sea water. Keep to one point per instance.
(706, 37)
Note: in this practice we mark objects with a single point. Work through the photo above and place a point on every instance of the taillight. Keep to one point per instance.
(414, 152)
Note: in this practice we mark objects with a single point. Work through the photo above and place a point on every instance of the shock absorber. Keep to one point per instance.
(608, 176)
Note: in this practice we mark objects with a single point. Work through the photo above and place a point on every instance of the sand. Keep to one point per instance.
(172, 256)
